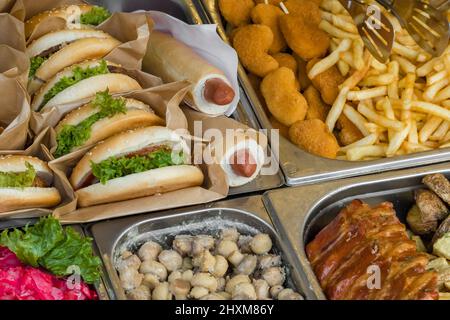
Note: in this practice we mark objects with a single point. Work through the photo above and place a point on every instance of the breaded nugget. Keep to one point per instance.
(236, 12)
(302, 75)
(252, 43)
(304, 37)
(286, 60)
(314, 137)
(316, 108)
(268, 15)
(273, 2)
(307, 9)
(255, 82)
(348, 133)
(283, 99)
(284, 130)
(327, 82)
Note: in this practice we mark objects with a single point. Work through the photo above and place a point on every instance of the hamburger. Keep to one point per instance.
(57, 50)
(86, 14)
(103, 117)
(83, 81)
(134, 164)
(26, 182)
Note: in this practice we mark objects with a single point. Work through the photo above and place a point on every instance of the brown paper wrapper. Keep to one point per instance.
(6, 5)
(41, 120)
(67, 195)
(12, 32)
(214, 187)
(14, 64)
(14, 114)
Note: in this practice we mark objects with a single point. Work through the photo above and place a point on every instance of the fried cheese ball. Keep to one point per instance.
(268, 15)
(314, 137)
(283, 99)
(302, 75)
(236, 12)
(306, 9)
(286, 60)
(348, 133)
(304, 37)
(317, 109)
(252, 43)
(327, 82)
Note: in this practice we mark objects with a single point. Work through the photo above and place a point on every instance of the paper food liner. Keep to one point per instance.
(50, 118)
(14, 114)
(12, 32)
(14, 64)
(6, 5)
(131, 29)
(67, 195)
(164, 100)
(214, 188)
(205, 41)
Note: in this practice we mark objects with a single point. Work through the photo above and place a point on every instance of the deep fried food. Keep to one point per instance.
(302, 75)
(314, 137)
(283, 99)
(348, 133)
(255, 82)
(316, 108)
(306, 9)
(273, 2)
(236, 12)
(304, 37)
(327, 82)
(252, 43)
(284, 130)
(286, 60)
(268, 15)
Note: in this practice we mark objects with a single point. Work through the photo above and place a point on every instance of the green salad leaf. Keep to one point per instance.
(72, 136)
(113, 168)
(22, 179)
(50, 246)
(96, 16)
(35, 63)
(78, 75)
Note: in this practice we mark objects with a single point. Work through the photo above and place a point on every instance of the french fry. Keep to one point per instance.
(413, 136)
(444, 94)
(394, 69)
(367, 93)
(415, 147)
(426, 68)
(358, 53)
(407, 95)
(432, 91)
(337, 32)
(379, 119)
(377, 65)
(378, 80)
(358, 75)
(404, 51)
(340, 22)
(431, 108)
(347, 57)
(344, 68)
(436, 77)
(337, 108)
(429, 128)
(359, 153)
(405, 65)
(332, 6)
(441, 131)
(446, 104)
(397, 140)
(330, 60)
(357, 119)
(366, 141)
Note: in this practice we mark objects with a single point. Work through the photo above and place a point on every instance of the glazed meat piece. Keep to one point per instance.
(362, 238)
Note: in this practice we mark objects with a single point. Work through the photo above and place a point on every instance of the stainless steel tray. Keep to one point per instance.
(300, 167)
(246, 214)
(17, 223)
(300, 213)
(187, 11)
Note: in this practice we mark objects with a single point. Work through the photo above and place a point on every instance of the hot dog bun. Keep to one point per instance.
(171, 60)
(134, 185)
(28, 197)
(138, 115)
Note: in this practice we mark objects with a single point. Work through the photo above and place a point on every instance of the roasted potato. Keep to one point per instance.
(417, 224)
(439, 184)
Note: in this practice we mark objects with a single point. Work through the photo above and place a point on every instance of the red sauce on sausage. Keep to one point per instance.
(243, 163)
(218, 92)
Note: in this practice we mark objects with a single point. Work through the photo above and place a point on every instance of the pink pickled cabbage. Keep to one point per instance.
(21, 282)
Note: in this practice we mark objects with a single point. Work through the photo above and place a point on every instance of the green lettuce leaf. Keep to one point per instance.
(73, 251)
(35, 63)
(78, 75)
(72, 136)
(113, 168)
(23, 179)
(48, 245)
(96, 16)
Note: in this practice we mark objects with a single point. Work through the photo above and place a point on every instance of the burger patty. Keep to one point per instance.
(39, 183)
(117, 69)
(50, 51)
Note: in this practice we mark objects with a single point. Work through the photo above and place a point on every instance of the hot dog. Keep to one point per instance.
(171, 60)
(243, 163)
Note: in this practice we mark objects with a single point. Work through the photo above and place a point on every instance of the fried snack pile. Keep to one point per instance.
(373, 110)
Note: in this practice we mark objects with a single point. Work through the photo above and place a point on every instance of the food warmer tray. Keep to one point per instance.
(300, 167)
(187, 11)
(246, 214)
(18, 223)
(300, 213)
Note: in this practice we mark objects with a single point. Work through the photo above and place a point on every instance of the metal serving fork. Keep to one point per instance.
(373, 26)
(427, 25)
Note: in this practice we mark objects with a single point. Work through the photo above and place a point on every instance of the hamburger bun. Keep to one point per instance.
(138, 115)
(28, 197)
